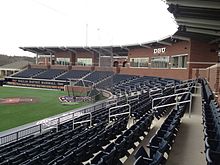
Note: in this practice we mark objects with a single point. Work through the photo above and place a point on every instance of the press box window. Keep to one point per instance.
(179, 61)
(160, 62)
(84, 61)
(63, 61)
(139, 62)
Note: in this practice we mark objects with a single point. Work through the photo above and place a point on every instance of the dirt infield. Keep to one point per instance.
(18, 100)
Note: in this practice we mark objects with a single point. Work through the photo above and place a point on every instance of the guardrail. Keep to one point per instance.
(20, 134)
(175, 103)
(121, 113)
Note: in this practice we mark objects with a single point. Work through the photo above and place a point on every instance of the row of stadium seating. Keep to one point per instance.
(73, 74)
(96, 76)
(53, 147)
(49, 74)
(116, 83)
(28, 73)
(69, 146)
(140, 84)
(118, 149)
(161, 143)
(60, 74)
(115, 80)
(211, 118)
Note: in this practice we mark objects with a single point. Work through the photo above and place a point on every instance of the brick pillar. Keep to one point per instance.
(217, 80)
(197, 73)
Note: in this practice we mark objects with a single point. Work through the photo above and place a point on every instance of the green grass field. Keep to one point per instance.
(48, 105)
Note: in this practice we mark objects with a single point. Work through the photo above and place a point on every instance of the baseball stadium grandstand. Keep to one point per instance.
(153, 103)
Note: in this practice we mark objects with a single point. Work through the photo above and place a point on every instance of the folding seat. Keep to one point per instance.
(144, 126)
(113, 131)
(101, 138)
(207, 119)
(80, 153)
(171, 128)
(46, 145)
(210, 133)
(6, 162)
(212, 157)
(170, 120)
(120, 146)
(129, 138)
(136, 114)
(25, 148)
(213, 144)
(53, 161)
(117, 130)
(136, 132)
(19, 158)
(46, 157)
(91, 147)
(210, 125)
(82, 136)
(160, 112)
(166, 135)
(110, 157)
(94, 143)
(10, 154)
(38, 142)
(33, 161)
(157, 159)
(158, 145)
(140, 152)
(65, 160)
(61, 149)
(34, 151)
(98, 158)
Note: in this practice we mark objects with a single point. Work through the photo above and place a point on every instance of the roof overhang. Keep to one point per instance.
(199, 18)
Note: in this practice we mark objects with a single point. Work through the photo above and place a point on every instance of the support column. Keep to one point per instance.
(37, 58)
(99, 59)
(50, 58)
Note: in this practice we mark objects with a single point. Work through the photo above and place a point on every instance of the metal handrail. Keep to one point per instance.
(119, 106)
(176, 103)
(84, 121)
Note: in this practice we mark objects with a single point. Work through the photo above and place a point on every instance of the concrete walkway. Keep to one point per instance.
(188, 148)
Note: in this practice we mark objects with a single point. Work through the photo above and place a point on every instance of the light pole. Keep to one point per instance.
(86, 34)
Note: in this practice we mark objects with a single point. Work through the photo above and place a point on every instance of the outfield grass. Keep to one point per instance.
(48, 105)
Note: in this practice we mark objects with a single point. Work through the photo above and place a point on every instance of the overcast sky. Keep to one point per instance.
(63, 23)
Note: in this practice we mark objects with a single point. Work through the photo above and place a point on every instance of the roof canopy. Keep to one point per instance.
(198, 19)
(115, 50)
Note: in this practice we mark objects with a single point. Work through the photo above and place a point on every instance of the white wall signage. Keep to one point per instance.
(159, 50)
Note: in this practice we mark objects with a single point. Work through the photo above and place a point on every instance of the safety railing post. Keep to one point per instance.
(40, 128)
(90, 119)
(73, 120)
(190, 106)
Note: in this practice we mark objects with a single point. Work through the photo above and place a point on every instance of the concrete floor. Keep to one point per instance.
(188, 148)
